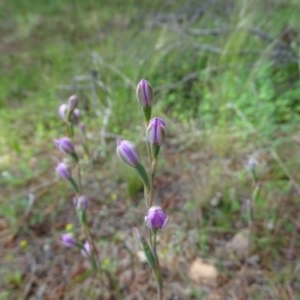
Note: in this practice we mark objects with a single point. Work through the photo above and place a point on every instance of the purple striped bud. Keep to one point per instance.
(127, 153)
(66, 114)
(144, 93)
(156, 131)
(81, 202)
(64, 145)
(72, 102)
(87, 249)
(156, 218)
(63, 171)
(62, 111)
(68, 239)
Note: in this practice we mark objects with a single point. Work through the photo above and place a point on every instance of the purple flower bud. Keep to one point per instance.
(126, 152)
(63, 171)
(62, 111)
(75, 117)
(156, 131)
(87, 249)
(81, 202)
(64, 145)
(156, 218)
(252, 163)
(144, 93)
(72, 102)
(68, 239)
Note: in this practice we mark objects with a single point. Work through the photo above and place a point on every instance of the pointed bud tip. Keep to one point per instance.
(144, 93)
(156, 131)
(156, 218)
(63, 171)
(68, 239)
(127, 152)
(72, 102)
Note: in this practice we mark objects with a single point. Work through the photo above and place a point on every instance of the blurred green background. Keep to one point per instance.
(226, 69)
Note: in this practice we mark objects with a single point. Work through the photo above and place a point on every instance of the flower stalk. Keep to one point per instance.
(70, 115)
(155, 132)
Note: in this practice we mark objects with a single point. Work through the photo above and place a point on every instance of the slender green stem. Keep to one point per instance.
(153, 171)
(150, 199)
(157, 271)
(159, 286)
(149, 153)
(71, 130)
(94, 251)
(113, 283)
(79, 177)
(250, 226)
(96, 264)
(95, 261)
(148, 145)
(152, 234)
(86, 149)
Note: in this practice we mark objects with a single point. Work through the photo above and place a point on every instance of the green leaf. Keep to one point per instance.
(143, 175)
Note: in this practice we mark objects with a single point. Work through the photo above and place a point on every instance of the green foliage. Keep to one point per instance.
(131, 178)
(14, 278)
(197, 75)
(100, 51)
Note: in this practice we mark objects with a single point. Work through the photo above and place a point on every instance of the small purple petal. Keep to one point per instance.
(87, 249)
(156, 131)
(63, 171)
(81, 202)
(62, 111)
(68, 240)
(144, 93)
(64, 145)
(156, 218)
(126, 152)
(72, 102)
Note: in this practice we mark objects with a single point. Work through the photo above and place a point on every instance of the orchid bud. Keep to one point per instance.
(62, 111)
(75, 116)
(64, 145)
(87, 249)
(81, 202)
(156, 218)
(63, 171)
(68, 240)
(252, 163)
(144, 93)
(156, 131)
(127, 153)
(72, 102)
